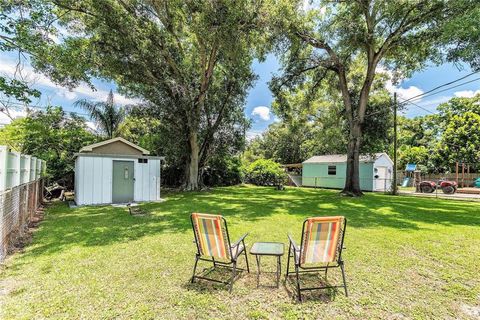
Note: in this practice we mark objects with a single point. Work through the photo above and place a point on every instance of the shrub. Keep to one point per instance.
(223, 171)
(264, 172)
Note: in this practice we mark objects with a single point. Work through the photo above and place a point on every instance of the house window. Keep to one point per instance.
(142, 160)
(332, 170)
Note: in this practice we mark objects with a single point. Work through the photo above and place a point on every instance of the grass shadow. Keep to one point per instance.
(104, 225)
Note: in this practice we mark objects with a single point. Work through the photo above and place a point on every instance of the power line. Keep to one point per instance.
(446, 89)
(442, 85)
(414, 104)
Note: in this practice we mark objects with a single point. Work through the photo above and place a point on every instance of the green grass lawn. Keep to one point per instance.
(406, 258)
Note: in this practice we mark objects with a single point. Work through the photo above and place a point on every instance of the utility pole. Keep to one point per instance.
(394, 190)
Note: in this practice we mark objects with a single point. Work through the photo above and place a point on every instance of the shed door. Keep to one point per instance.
(381, 183)
(123, 181)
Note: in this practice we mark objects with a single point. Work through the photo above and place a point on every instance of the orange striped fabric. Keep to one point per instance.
(211, 236)
(320, 239)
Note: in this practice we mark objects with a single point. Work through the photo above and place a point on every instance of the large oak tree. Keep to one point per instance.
(188, 60)
(329, 36)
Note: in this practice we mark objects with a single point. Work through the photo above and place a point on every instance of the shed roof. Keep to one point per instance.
(340, 158)
(90, 148)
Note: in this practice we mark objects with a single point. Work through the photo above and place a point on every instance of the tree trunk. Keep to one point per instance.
(352, 182)
(192, 167)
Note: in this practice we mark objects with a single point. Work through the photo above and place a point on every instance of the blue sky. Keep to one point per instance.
(259, 98)
(420, 82)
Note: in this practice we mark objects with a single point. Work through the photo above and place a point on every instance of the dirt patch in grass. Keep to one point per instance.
(472, 311)
(22, 238)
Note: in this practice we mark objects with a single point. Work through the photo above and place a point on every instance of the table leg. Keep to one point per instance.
(257, 258)
(279, 270)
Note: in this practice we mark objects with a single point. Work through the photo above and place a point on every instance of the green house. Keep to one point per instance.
(329, 171)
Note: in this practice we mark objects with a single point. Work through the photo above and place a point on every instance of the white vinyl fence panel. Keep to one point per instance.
(21, 193)
(17, 169)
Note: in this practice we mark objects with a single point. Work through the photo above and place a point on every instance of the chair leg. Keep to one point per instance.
(326, 271)
(194, 268)
(288, 262)
(298, 284)
(246, 259)
(234, 269)
(344, 280)
(214, 264)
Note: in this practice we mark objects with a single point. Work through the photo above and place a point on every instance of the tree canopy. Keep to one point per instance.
(189, 65)
(188, 60)
(50, 135)
(107, 116)
(437, 142)
(331, 37)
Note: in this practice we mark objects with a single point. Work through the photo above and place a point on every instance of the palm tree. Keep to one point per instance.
(106, 115)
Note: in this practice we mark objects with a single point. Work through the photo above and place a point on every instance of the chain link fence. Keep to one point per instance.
(366, 184)
(17, 208)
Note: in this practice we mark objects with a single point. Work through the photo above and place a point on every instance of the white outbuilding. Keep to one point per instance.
(116, 171)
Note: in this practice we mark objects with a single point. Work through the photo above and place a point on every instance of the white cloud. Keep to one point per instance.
(466, 93)
(101, 95)
(408, 93)
(252, 134)
(91, 125)
(8, 68)
(262, 112)
(4, 119)
(69, 95)
(403, 93)
(311, 4)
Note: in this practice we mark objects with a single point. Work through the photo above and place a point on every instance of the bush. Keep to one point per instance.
(265, 172)
(223, 171)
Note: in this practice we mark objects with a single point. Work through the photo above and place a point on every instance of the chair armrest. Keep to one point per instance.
(293, 243)
(240, 240)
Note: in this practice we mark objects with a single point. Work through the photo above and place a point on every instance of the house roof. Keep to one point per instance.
(340, 158)
(90, 148)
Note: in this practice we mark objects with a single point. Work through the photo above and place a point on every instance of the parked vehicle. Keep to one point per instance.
(448, 187)
(427, 186)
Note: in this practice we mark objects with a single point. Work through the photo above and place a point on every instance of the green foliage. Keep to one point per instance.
(52, 136)
(107, 116)
(439, 141)
(17, 89)
(265, 172)
(314, 123)
(223, 171)
(412, 154)
(25, 27)
(146, 132)
(189, 61)
(461, 138)
(462, 36)
(342, 43)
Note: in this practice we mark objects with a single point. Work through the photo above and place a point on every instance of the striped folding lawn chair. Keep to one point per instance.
(320, 250)
(213, 245)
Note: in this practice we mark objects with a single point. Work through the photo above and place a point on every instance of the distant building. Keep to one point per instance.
(329, 171)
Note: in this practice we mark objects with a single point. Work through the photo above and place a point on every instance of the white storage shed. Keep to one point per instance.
(116, 171)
